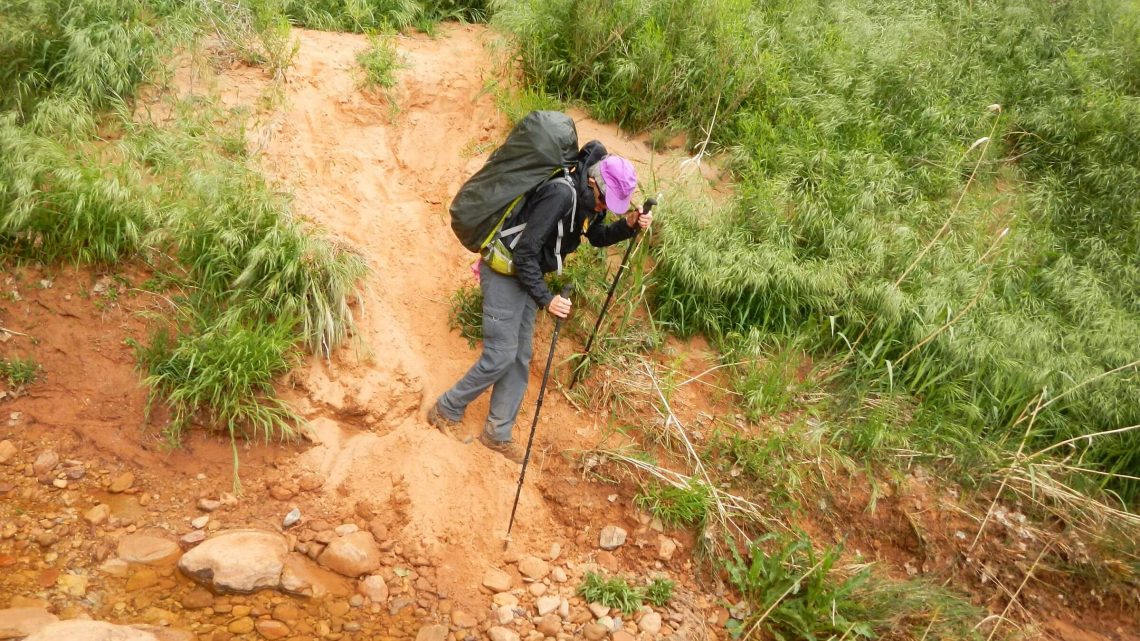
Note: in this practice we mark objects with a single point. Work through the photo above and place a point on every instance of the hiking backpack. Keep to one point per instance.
(543, 145)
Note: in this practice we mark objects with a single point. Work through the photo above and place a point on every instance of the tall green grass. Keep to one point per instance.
(248, 284)
(943, 191)
(363, 16)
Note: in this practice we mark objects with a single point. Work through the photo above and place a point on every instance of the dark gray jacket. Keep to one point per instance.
(535, 254)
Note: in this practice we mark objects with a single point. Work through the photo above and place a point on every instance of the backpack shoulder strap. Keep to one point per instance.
(516, 230)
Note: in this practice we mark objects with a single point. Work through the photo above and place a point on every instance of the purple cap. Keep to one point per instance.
(621, 179)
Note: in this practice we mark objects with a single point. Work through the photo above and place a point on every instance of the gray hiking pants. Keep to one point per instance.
(504, 365)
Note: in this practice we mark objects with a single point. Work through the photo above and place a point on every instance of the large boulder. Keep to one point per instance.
(237, 561)
(16, 623)
(352, 555)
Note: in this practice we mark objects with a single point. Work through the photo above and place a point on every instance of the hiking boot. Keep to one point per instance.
(445, 425)
(509, 449)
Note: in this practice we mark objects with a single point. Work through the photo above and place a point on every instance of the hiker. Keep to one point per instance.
(603, 183)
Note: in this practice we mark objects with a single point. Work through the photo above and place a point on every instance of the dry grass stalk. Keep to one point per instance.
(1016, 594)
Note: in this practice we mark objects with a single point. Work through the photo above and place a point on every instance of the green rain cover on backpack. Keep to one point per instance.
(539, 145)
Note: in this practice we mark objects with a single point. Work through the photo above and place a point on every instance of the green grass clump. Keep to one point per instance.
(677, 506)
(613, 592)
(660, 591)
(466, 313)
(19, 371)
(379, 63)
(222, 375)
(796, 593)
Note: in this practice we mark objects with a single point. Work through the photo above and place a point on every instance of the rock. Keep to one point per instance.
(432, 633)
(305, 578)
(609, 623)
(611, 537)
(547, 604)
(77, 629)
(461, 619)
(374, 588)
(378, 529)
(650, 623)
(281, 492)
(142, 580)
(45, 462)
(346, 529)
(553, 553)
(200, 522)
(198, 599)
(287, 612)
(499, 633)
(20, 622)
(115, 567)
(497, 580)
(8, 451)
(292, 518)
(121, 483)
(505, 614)
(534, 568)
(208, 505)
(193, 538)
(237, 561)
(244, 625)
(352, 555)
(537, 589)
(665, 548)
(75, 472)
(549, 625)
(59, 484)
(324, 537)
(599, 610)
(505, 598)
(558, 575)
(608, 561)
(271, 629)
(147, 549)
(98, 514)
(622, 635)
(594, 632)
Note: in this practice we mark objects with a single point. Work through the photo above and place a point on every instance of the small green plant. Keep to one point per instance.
(466, 313)
(677, 506)
(787, 580)
(660, 591)
(614, 592)
(379, 62)
(19, 371)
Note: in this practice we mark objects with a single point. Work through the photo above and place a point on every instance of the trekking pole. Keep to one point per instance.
(609, 297)
(566, 291)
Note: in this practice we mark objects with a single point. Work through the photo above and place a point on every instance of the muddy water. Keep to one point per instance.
(51, 557)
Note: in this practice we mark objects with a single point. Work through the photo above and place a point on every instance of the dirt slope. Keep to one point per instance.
(380, 177)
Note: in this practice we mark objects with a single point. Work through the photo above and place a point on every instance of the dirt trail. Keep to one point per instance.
(380, 177)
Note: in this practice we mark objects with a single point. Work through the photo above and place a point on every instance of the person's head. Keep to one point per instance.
(613, 180)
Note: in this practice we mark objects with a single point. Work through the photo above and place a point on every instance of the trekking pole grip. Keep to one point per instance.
(567, 290)
(648, 207)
